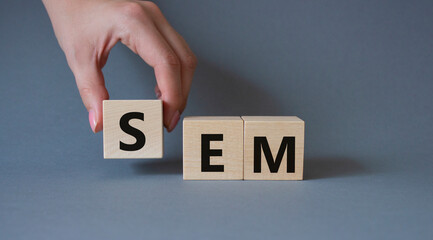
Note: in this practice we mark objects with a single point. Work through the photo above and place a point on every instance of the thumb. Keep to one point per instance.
(91, 85)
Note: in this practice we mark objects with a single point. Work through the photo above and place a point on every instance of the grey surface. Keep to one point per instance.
(358, 72)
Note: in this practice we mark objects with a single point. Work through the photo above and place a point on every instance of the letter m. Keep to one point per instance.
(262, 143)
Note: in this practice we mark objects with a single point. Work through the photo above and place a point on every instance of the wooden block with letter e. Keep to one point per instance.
(212, 148)
(133, 129)
(273, 148)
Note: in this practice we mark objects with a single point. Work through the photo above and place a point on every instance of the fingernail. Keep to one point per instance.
(158, 94)
(92, 120)
(174, 121)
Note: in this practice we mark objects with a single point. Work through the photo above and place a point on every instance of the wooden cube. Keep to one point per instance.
(133, 129)
(273, 148)
(213, 148)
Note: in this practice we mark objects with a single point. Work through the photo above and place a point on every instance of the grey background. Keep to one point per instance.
(358, 72)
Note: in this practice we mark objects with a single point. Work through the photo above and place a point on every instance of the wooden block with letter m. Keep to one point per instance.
(273, 148)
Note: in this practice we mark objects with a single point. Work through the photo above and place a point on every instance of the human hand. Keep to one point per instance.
(88, 30)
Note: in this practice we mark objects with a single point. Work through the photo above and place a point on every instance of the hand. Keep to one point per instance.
(88, 30)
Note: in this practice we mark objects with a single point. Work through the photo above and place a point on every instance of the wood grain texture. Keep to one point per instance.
(274, 128)
(152, 128)
(231, 146)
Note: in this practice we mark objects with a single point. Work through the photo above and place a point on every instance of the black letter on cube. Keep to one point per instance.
(206, 152)
(262, 142)
(139, 135)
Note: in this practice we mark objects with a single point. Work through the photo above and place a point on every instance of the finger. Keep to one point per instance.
(90, 83)
(167, 72)
(145, 40)
(187, 58)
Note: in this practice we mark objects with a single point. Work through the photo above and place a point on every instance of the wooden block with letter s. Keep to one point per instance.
(212, 148)
(273, 148)
(133, 129)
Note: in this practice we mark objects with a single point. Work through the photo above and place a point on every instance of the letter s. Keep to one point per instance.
(139, 135)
